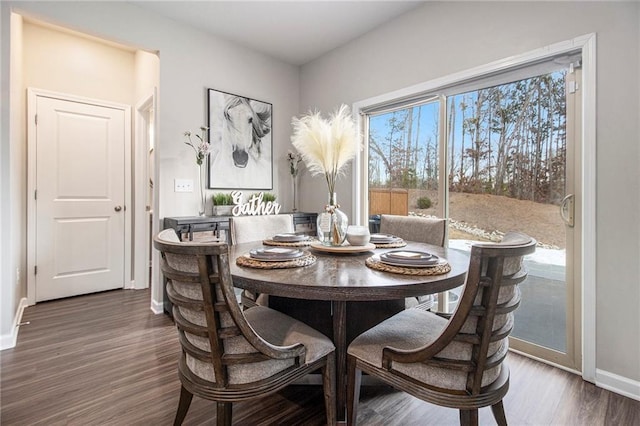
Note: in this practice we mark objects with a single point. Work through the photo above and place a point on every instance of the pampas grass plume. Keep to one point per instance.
(326, 146)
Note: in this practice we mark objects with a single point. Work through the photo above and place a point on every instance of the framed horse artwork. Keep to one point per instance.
(241, 142)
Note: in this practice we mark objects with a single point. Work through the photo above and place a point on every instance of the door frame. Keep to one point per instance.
(587, 45)
(143, 143)
(32, 96)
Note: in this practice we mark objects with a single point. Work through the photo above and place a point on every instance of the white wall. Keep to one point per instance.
(190, 62)
(6, 284)
(63, 62)
(147, 74)
(443, 38)
(12, 248)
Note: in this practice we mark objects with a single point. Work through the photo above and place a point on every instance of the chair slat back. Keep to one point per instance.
(474, 341)
(217, 342)
(485, 310)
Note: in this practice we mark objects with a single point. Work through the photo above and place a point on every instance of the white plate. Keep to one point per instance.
(289, 238)
(275, 254)
(409, 255)
(414, 265)
(275, 259)
(317, 245)
(409, 258)
(384, 239)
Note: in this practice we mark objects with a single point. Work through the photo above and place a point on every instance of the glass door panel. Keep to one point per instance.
(403, 153)
(507, 171)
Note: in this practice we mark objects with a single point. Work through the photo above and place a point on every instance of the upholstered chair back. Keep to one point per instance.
(422, 230)
(243, 229)
(415, 228)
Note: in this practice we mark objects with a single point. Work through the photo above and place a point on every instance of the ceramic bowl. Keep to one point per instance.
(358, 235)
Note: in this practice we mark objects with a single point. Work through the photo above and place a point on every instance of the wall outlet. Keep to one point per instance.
(183, 185)
(17, 275)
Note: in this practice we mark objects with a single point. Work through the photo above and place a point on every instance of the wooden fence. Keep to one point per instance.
(389, 201)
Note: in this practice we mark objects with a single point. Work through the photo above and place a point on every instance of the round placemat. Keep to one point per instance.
(304, 260)
(391, 245)
(304, 243)
(374, 262)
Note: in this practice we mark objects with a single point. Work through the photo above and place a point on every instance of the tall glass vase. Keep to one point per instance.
(201, 181)
(332, 223)
(294, 178)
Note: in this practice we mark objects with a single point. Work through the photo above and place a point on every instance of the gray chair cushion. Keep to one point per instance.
(414, 328)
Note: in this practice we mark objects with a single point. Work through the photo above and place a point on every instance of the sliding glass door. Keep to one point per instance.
(511, 166)
(494, 158)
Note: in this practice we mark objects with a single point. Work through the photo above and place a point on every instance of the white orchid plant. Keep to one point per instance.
(326, 146)
(202, 148)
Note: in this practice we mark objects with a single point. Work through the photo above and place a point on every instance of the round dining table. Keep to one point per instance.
(349, 290)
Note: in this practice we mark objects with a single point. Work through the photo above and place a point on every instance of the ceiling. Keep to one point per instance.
(295, 32)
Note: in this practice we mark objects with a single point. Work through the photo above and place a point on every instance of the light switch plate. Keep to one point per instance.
(183, 185)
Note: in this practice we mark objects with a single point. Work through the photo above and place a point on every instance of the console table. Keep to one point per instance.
(186, 226)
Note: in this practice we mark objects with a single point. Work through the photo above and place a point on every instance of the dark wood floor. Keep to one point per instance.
(105, 359)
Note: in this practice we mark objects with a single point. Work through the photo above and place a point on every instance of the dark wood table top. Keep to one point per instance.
(345, 277)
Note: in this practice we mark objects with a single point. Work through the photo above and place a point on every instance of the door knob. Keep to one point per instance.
(118, 208)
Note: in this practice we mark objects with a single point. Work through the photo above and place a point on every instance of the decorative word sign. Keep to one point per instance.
(254, 205)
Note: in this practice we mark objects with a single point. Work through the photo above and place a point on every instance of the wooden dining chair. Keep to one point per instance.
(426, 230)
(230, 355)
(243, 229)
(452, 360)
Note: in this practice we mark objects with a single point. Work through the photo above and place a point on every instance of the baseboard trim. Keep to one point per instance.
(604, 379)
(8, 341)
(157, 308)
(618, 384)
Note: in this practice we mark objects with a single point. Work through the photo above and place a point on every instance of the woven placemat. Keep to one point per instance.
(391, 245)
(304, 243)
(304, 260)
(374, 262)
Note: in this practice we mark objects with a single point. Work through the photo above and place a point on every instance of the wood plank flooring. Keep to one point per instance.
(106, 359)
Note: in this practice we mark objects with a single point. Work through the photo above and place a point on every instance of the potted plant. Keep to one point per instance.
(222, 204)
(268, 196)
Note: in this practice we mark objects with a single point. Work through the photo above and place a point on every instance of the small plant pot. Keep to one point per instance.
(222, 210)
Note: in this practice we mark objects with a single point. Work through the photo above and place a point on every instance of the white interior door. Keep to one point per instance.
(80, 193)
